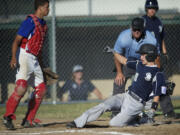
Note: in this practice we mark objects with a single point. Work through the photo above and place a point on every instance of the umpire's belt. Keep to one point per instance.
(136, 97)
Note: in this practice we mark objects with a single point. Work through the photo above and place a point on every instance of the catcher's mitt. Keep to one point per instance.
(49, 76)
(170, 87)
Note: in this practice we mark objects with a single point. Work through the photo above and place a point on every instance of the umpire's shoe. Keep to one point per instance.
(28, 124)
(7, 121)
(71, 125)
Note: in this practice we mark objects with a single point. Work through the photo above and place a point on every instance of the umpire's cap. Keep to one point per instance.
(150, 50)
(151, 4)
(138, 24)
(77, 68)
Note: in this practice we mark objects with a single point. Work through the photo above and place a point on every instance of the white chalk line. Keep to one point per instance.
(66, 131)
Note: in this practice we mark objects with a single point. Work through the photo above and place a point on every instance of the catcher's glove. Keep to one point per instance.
(49, 76)
(170, 87)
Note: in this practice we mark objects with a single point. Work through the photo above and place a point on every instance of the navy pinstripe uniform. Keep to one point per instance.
(147, 79)
(155, 26)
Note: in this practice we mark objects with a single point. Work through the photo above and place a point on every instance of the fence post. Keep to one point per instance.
(89, 7)
(53, 50)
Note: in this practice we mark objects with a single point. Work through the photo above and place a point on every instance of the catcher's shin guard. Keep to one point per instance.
(15, 98)
(35, 101)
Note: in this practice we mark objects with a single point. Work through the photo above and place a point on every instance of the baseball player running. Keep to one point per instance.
(30, 38)
(148, 78)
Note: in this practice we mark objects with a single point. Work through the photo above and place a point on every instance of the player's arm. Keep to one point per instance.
(119, 47)
(155, 103)
(15, 46)
(121, 59)
(130, 62)
(25, 29)
(163, 56)
(159, 88)
(40, 60)
(164, 51)
(119, 75)
(98, 93)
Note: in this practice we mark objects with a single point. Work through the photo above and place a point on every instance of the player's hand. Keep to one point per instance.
(150, 113)
(119, 80)
(164, 59)
(13, 63)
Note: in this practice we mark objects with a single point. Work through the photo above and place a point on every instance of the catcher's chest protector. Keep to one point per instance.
(35, 43)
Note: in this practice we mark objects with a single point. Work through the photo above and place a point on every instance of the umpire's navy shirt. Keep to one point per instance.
(77, 92)
(155, 26)
(146, 80)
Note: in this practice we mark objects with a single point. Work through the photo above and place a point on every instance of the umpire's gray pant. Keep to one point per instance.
(130, 108)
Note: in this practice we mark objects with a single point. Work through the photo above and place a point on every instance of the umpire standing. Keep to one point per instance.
(155, 26)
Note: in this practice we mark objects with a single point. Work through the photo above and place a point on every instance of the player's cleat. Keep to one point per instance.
(7, 121)
(27, 124)
(170, 115)
(71, 125)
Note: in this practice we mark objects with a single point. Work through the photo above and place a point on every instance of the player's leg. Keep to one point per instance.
(36, 98)
(92, 114)
(118, 89)
(144, 117)
(129, 110)
(22, 76)
(167, 106)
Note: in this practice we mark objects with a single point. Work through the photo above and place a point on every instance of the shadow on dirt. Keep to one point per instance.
(96, 126)
(53, 123)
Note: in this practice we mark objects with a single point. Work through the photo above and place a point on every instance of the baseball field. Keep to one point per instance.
(55, 117)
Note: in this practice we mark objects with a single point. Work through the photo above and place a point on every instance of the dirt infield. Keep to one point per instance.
(56, 127)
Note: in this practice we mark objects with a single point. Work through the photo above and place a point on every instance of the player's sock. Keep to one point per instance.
(35, 103)
(15, 98)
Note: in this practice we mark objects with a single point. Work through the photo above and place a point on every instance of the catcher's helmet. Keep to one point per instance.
(151, 4)
(150, 50)
(138, 24)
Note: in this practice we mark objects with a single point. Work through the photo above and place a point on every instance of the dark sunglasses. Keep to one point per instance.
(136, 30)
(152, 8)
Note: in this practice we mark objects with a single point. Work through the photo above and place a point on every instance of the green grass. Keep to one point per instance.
(60, 111)
(67, 111)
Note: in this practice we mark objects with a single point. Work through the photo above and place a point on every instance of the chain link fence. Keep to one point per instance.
(81, 34)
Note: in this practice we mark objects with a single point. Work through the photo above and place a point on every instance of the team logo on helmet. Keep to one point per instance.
(148, 76)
